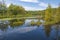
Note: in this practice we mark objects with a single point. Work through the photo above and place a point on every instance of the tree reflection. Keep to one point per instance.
(16, 22)
(48, 30)
(38, 23)
(13, 23)
(3, 27)
(57, 31)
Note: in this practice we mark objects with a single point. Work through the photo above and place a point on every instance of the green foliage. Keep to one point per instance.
(52, 15)
(48, 13)
(33, 23)
(57, 16)
(3, 8)
(38, 23)
(16, 22)
(14, 9)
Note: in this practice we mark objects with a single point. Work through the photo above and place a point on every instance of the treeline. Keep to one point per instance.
(11, 11)
(50, 15)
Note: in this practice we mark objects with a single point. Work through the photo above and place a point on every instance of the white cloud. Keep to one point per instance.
(54, 6)
(33, 8)
(8, 4)
(0, 0)
(35, 1)
(42, 4)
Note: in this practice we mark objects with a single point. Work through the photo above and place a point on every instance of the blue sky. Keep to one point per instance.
(34, 4)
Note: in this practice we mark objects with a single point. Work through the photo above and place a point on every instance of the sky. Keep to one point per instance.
(34, 4)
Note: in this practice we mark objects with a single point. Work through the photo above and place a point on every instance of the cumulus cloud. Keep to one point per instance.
(39, 5)
(8, 4)
(42, 7)
(33, 8)
(42, 4)
(0, 0)
(35, 1)
(54, 6)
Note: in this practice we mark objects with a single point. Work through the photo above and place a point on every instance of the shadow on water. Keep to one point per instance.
(3, 27)
(16, 22)
(52, 31)
(57, 31)
(47, 30)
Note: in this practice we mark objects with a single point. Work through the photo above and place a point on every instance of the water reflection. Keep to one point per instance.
(4, 24)
(3, 27)
(48, 30)
(57, 32)
(16, 22)
(19, 29)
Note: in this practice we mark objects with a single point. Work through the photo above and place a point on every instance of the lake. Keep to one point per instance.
(26, 31)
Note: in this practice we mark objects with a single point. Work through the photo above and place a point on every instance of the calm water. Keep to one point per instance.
(28, 32)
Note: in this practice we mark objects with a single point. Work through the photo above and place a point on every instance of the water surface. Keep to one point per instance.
(29, 32)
